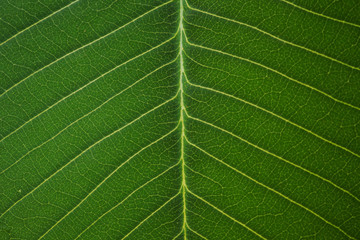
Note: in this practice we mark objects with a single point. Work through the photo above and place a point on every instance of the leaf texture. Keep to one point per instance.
(180, 119)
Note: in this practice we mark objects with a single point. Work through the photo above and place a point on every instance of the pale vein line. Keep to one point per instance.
(84, 46)
(196, 232)
(41, 20)
(230, 74)
(94, 144)
(151, 215)
(89, 83)
(108, 100)
(270, 69)
(273, 36)
(274, 155)
(103, 181)
(210, 67)
(227, 215)
(178, 234)
(274, 114)
(319, 14)
(271, 189)
(182, 108)
(204, 176)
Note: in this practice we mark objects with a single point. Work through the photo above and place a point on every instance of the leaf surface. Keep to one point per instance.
(180, 119)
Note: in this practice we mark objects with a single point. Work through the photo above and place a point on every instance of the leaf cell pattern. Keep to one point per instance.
(180, 119)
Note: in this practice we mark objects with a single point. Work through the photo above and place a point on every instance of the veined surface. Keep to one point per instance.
(180, 119)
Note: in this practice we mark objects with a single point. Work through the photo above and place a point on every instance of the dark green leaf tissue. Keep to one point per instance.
(179, 119)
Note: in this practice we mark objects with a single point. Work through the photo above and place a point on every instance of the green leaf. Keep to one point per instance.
(180, 119)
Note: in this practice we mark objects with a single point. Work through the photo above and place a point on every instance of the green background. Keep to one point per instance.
(198, 119)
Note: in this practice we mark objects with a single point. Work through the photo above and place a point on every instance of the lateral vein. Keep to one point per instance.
(86, 85)
(273, 114)
(168, 201)
(321, 15)
(41, 20)
(196, 232)
(103, 181)
(87, 149)
(86, 45)
(271, 189)
(225, 214)
(273, 36)
(274, 155)
(87, 114)
(272, 70)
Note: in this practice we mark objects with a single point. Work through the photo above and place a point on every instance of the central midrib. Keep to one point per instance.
(182, 108)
